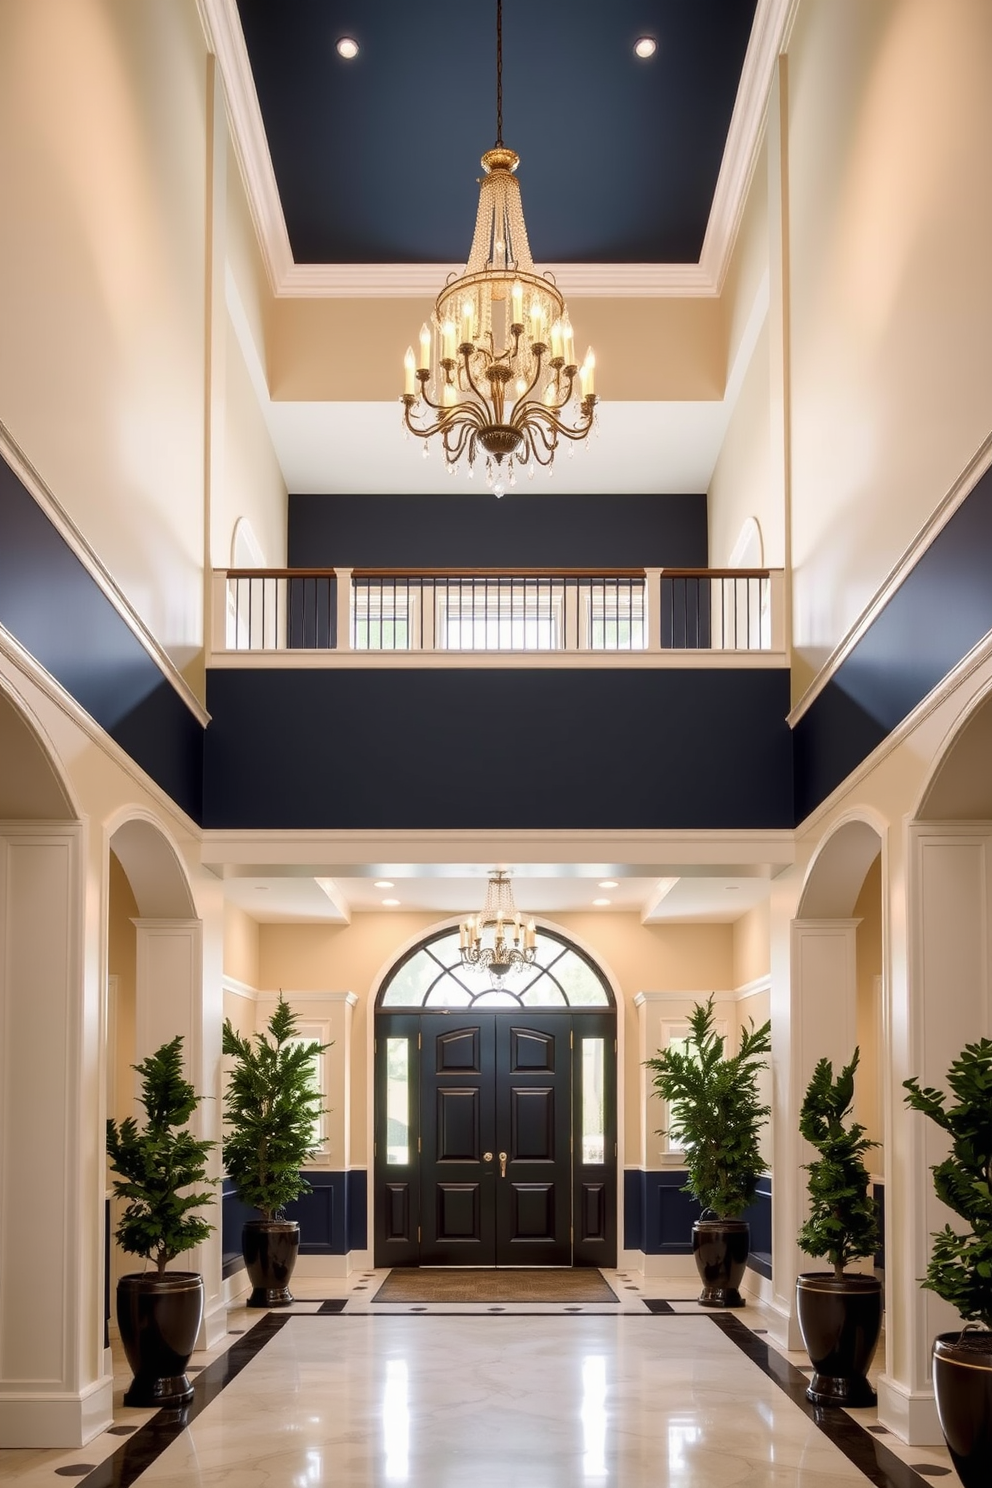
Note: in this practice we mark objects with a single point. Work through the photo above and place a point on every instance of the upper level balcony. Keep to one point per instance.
(631, 617)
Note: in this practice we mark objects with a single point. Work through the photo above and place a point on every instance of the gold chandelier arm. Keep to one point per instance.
(464, 430)
(467, 357)
(538, 350)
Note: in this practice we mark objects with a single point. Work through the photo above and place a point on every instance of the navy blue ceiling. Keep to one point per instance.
(377, 159)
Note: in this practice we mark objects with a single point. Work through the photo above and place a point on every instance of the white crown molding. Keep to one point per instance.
(931, 529)
(772, 24)
(67, 529)
(225, 38)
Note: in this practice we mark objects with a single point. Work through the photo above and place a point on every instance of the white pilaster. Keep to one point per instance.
(54, 1391)
(170, 999)
(820, 1022)
(939, 1003)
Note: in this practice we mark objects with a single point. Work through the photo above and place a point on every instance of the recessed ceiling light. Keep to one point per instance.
(347, 48)
(645, 46)
(601, 903)
(609, 883)
(390, 903)
(384, 883)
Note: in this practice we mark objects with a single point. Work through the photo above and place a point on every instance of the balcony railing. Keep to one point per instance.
(605, 612)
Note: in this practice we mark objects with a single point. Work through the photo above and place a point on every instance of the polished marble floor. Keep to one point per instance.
(519, 1396)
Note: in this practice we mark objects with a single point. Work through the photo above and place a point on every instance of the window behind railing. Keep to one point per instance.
(522, 610)
(497, 612)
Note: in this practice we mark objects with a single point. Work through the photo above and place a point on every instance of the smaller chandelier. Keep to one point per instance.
(497, 940)
(496, 373)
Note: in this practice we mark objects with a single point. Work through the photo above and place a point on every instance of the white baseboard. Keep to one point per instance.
(213, 1326)
(65, 1420)
(682, 1267)
(911, 1414)
(331, 1267)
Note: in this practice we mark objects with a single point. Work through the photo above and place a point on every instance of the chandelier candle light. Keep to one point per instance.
(497, 940)
(496, 369)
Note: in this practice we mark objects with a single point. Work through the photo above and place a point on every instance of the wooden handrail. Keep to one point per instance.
(279, 573)
(715, 573)
(497, 573)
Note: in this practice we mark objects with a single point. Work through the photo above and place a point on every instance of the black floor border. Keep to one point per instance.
(150, 1440)
(869, 1455)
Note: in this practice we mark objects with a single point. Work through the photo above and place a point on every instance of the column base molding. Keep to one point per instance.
(64, 1420)
(213, 1327)
(911, 1414)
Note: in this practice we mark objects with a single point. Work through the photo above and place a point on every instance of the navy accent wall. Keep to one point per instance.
(471, 529)
(408, 748)
(50, 603)
(940, 611)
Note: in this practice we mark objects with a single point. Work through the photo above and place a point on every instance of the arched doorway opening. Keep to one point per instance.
(495, 1109)
(835, 1003)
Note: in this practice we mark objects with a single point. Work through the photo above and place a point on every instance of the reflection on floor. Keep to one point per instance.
(534, 1395)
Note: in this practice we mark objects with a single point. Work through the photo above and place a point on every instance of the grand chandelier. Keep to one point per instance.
(496, 373)
(497, 940)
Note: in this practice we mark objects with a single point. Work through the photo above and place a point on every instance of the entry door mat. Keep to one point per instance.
(454, 1284)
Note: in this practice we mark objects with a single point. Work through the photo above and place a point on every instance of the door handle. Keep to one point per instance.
(487, 1157)
(502, 1165)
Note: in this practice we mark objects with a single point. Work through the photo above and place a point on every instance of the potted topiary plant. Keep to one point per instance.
(271, 1106)
(840, 1312)
(960, 1267)
(716, 1116)
(159, 1312)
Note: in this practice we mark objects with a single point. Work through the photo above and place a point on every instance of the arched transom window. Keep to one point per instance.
(432, 976)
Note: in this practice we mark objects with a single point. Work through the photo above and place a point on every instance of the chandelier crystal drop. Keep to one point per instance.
(495, 375)
(497, 940)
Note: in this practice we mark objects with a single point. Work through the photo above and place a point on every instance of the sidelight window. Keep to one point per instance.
(397, 1102)
(432, 976)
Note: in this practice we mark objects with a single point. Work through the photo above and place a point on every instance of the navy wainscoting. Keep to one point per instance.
(54, 608)
(940, 611)
(332, 1217)
(658, 1217)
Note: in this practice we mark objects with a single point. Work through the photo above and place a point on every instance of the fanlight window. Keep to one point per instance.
(433, 976)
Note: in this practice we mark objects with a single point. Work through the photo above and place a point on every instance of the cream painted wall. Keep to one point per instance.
(749, 261)
(353, 349)
(868, 1083)
(243, 256)
(752, 946)
(122, 963)
(891, 298)
(102, 147)
(742, 484)
(695, 958)
(252, 484)
(241, 943)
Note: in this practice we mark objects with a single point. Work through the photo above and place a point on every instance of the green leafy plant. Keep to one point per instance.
(271, 1106)
(960, 1267)
(159, 1164)
(715, 1110)
(843, 1222)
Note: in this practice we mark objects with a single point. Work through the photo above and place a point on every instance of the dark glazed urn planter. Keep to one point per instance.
(962, 1382)
(720, 1249)
(840, 1319)
(159, 1318)
(270, 1248)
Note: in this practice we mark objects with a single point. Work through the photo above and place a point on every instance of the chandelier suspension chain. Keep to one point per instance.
(499, 73)
(497, 377)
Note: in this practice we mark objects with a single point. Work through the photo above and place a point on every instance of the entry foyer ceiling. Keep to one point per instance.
(362, 176)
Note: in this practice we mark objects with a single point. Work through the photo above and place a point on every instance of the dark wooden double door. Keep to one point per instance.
(510, 1145)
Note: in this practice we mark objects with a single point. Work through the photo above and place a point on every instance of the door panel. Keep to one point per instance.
(534, 1129)
(458, 1106)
